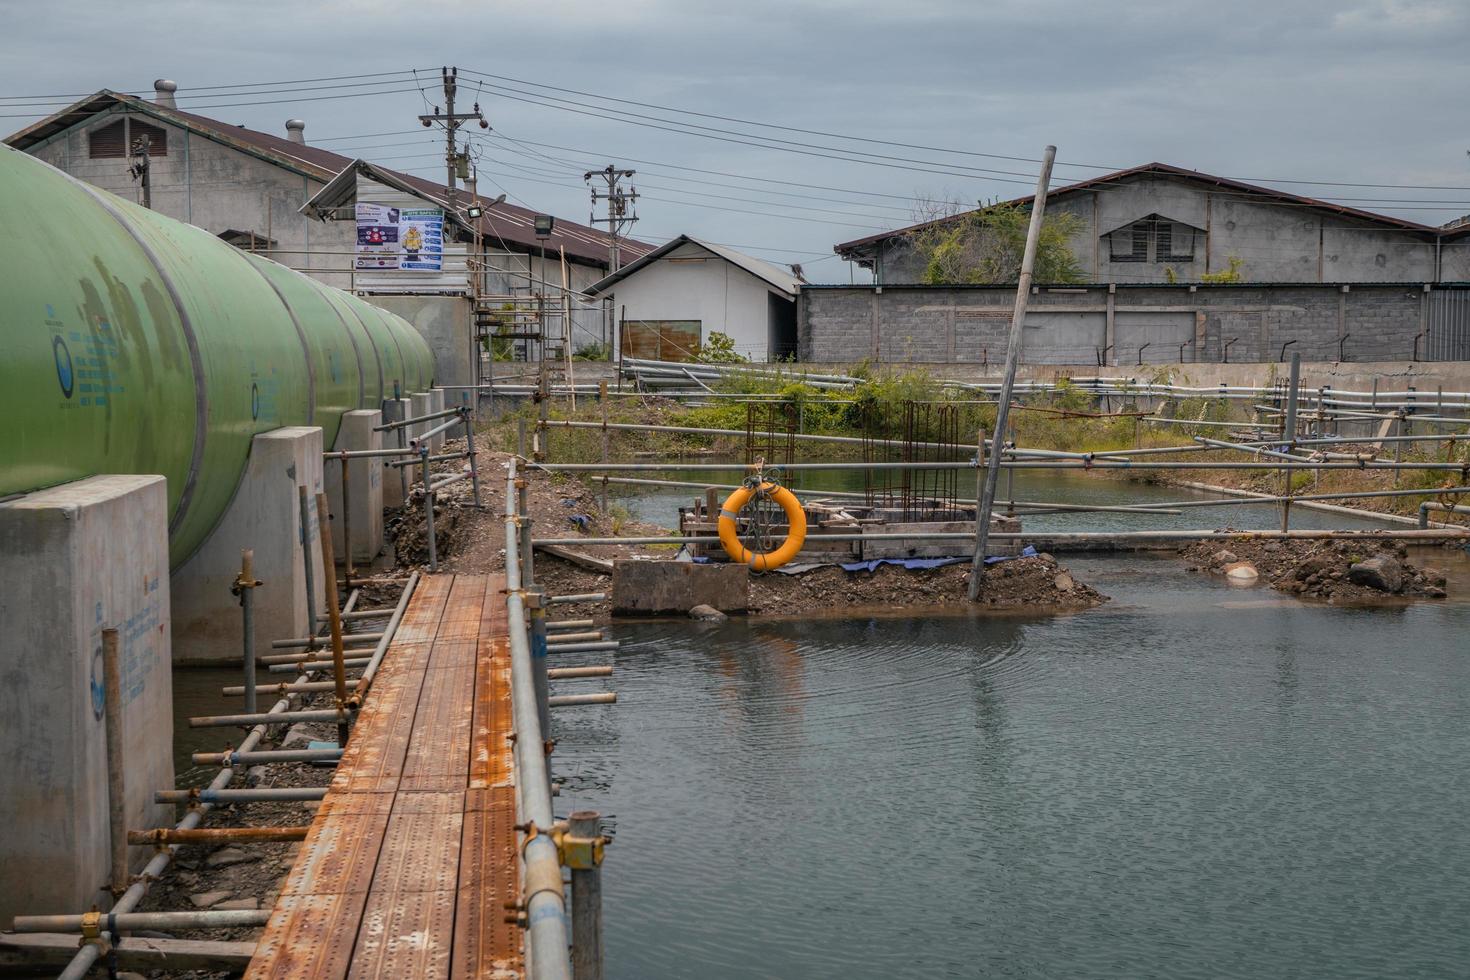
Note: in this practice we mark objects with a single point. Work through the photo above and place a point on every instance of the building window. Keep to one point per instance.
(112, 142)
(1153, 238)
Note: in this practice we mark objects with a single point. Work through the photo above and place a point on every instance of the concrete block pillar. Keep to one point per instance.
(394, 410)
(436, 398)
(75, 560)
(364, 484)
(264, 516)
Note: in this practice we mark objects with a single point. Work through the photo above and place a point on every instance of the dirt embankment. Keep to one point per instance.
(1021, 583)
(1337, 571)
(469, 540)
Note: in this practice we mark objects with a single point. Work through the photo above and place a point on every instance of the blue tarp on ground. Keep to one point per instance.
(873, 563)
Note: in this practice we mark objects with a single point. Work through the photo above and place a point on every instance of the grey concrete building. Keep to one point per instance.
(1148, 223)
(251, 189)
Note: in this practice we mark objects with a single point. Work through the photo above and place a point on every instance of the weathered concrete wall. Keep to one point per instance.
(265, 517)
(445, 323)
(218, 188)
(74, 560)
(956, 325)
(1274, 242)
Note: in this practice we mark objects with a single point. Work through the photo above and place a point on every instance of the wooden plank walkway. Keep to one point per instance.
(412, 854)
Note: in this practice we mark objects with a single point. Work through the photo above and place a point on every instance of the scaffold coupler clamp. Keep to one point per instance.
(578, 853)
(93, 934)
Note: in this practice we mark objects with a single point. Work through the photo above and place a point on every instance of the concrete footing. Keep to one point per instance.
(264, 516)
(643, 588)
(364, 485)
(395, 484)
(75, 560)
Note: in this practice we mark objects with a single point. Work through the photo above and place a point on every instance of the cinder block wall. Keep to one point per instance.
(969, 325)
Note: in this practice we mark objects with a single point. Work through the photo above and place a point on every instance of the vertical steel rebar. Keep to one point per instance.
(334, 619)
(117, 817)
(586, 903)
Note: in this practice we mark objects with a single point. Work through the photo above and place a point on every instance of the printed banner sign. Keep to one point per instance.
(411, 239)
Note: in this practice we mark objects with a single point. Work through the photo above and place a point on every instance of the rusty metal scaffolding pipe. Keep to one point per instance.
(263, 717)
(306, 666)
(216, 835)
(82, 962)
(272, 794)
(1068, 536)
(579, 597)
(233, 758)
(576, 700)
(545, 902)
(572, 673)
(203, 919)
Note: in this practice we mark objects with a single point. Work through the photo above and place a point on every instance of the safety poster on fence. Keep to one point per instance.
(388, 237)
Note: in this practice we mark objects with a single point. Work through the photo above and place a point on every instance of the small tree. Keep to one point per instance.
(986, 245)
(719, 348)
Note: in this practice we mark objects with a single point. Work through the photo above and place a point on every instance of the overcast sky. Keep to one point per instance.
(1361, 91)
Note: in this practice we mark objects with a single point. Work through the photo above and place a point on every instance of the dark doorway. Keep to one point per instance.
(781, 335)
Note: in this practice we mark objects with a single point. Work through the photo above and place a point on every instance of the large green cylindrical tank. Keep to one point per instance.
(133, 343)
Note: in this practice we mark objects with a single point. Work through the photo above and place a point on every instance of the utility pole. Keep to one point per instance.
(139, 169)
(619, 207)
(456, 161)
(986, 502)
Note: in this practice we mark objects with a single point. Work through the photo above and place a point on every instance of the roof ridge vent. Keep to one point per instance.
(163, 93)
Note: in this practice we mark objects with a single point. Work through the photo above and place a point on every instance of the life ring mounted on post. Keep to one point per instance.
(762, 561)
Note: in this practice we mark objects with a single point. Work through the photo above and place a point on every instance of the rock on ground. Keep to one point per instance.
(1338, 570)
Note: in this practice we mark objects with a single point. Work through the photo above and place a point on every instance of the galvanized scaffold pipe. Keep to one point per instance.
(545, 901)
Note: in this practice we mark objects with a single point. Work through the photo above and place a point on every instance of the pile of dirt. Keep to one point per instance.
(1337, 571)
(1021, 583)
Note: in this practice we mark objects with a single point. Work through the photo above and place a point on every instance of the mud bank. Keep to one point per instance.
(1337, 571)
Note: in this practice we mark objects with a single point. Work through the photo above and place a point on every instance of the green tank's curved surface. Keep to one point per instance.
(133, 343)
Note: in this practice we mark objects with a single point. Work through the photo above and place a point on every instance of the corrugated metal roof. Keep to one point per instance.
(507, 223)
(775, 276)
(845, 249)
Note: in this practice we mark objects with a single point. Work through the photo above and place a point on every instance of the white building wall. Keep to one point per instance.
(703, 287)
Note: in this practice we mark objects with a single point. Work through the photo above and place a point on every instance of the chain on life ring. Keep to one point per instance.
(758, 560)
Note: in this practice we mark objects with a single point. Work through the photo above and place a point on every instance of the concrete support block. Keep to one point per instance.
(75, 560)
(642, 588)
(365, 484)
(436, 398)
(423, 404)
(264, 516)
(395, 410)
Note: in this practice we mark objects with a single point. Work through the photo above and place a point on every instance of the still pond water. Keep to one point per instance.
(1190, 781)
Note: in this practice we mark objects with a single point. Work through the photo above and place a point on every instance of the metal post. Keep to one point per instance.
(521, 437)
(1013, 357)
(602, 399)
(117, 818)
(536, 606)
(469, 446)
(429, 511)
(980, 470)
(334, 618)
(245, 587)
(1288, 434)
(304, 505)
(403, 445)
(586, 895)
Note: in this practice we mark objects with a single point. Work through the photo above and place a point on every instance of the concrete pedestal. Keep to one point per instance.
(643, 588)
(422, 404)
(436, 399)
(75, 560)
(394, 410)
(364, 485)
(265, 516)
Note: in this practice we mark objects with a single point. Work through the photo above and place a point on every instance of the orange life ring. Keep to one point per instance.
(763, 561)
